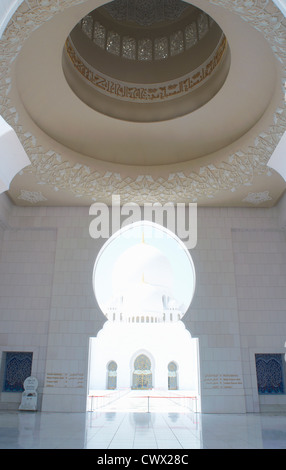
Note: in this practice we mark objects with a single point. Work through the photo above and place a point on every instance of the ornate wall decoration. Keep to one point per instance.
(177, 42)
(264, 16)
(177, 188)
(145, 12)
(257, 198)
(18, 366)
(142, 374)
(31, 196)
(153, 93)
(49, 167)
(270, 376)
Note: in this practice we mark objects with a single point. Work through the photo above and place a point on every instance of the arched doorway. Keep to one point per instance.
(142, 373)
(172, 376)
(111, 375)
(144, 282)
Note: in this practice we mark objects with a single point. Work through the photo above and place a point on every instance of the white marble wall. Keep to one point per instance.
(48, 306)
(260, 271)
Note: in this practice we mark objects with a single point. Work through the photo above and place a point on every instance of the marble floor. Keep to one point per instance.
(114, 427)
(156, 401)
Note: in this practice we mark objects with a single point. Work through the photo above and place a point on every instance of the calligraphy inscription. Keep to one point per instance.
(141, 93)
(222, 381)
(65, 380)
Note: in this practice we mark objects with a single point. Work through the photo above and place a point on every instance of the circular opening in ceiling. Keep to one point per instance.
(144, 61)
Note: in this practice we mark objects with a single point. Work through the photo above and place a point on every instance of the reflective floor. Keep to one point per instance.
(141, 430)
(157, 401)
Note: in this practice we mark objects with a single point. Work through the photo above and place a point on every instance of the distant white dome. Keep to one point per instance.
(173, 304)
(143, 299)
(139, 263)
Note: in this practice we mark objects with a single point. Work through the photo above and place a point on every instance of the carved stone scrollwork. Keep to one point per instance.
(51, 168)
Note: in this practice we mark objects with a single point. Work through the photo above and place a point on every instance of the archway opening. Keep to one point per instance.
(172, 376)
(112, 376)
(144, 282)
(142, 373)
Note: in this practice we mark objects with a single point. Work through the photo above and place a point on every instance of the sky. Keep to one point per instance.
(176, 254)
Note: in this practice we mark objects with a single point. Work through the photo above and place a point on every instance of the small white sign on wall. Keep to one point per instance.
(29, 396)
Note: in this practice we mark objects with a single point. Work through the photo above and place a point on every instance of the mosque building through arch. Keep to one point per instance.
(144, 337)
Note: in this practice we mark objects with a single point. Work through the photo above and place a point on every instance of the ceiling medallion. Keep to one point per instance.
(81, 180)
(257, 198)
(31, 196)
(145, 12)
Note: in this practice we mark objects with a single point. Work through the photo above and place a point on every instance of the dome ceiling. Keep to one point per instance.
(146, 61)
(176, 102)
(146, 12)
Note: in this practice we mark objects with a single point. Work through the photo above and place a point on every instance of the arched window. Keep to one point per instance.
(161, 48)
(87, 25)
(128, 47)
(176, 43)
(111, 375)
(113, 43)
(172, 376)
(99, 35)
(145, 49)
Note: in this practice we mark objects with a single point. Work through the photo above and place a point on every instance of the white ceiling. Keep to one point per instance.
(216, 155)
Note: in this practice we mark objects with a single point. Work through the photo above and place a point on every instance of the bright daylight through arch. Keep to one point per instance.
(144, 282)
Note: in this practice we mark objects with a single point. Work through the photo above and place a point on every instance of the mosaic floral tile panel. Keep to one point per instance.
(270, 374)
(18, 366)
